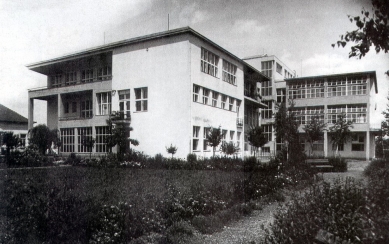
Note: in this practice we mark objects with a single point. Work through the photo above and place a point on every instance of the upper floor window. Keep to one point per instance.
(66, 107)
(267, 68)
(229, 72)
(267, 113)
(104, 103)
(224, 100)
(205, 96)
(86, 109)
(266, 88)
(267, 131)
(299, 115)
(231, 104)
(215, 98)
(141, 99)
(356, 86)
(196, 92)
(317, 112)
(124, 103)
(357, 113)
(297, 90)
(104, 73)
(56, 80)
(281, 95)
(279, 68)
(87, 76)
(347, 86)
(209, 62)
(71, 78)
(315, 89)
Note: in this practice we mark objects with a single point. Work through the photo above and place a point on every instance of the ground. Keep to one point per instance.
(250, 229)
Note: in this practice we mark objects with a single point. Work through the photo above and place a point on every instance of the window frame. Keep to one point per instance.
(209, 62)
(141, 99)
(104, 103)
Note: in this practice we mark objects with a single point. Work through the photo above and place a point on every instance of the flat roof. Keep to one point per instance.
(113, 45)
(337, 75)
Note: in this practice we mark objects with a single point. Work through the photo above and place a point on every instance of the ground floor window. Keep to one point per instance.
(83, 135)
(101, 135)
(340, 147)
(205, 141)
(67, 138)
(358, 143)
(318, 146)
(196, 132)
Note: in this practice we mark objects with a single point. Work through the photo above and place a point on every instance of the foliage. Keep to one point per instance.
(372, 29)
(10, 141)
(89, 143)
(214, 137)
(314, 130)
(73, 159)
(191, 158)
(172, 149)
(43, 138)
(229, 148)
(339, 164)
(340, 131)
(256, 137)
(28, 158)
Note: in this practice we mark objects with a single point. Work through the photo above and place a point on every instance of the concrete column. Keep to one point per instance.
(30, 113)
(325, 144)
(367, 145)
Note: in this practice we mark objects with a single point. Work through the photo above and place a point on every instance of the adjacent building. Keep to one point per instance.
(10, 121)
(327, 97)
(172, 87)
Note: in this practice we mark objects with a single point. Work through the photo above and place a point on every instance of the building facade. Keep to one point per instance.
(327, 97)
(10, 121)
(170, 86)
(273, 92)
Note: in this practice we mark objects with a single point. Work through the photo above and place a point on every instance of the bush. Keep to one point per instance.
(73, 159)
(339, 164)
(191, 158)
(28, 158)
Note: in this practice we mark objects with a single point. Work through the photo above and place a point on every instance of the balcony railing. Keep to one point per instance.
(73, 83)
(239, 122)
(66, 118)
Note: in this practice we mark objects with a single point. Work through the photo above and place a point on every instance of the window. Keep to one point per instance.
(315, 89)
(267, 131)
(86, 109)
(246, 143)
(267, 113)
(238, 134)
(205, 96)
(196, 132)
(141, 99)
(358, 143)
(357, 113)
(299, 115)
(232, 135)
(224, 135)
(215, 97)
(356, 86)
(84, 133)
(312, 112)
(336, 87)
(231, 104)
(318, 146)
(281, 95)
(266, 88)
(124, 104)
(229, 72)
(87, 76)
(71, 78)
(74, 107)
(56, 80)
(104, 103)
(102, 132)
(224, 100)
(67, 138)
(205, 141)
(349, 86)
(104, 73)
(297, 90)
(279, 68)
(266, 68)
(238, 103)
(22, 138)
(209, 62)
(340, 147)
(66, 107)
(196, 92)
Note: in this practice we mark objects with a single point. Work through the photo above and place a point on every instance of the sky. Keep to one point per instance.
(298, 32)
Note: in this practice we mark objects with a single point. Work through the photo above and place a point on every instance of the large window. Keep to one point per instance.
(297, 90)
(355, 113)
(356, 86)
(267, 113)
(71, 78)
(86, 109)
(102, 132)
(87, 76)
(299, 115)
(215, 98)
(318, 146)
(205, 141)
(231, 103)
(266, 88)
(279, 68)
(209, 62)
(336, 88)
(350, 86)
(224, 100)
(83, 135)
(104, 73)
(196, 92)
(196, 132)
(229, 72)
(56, 80)
(124, 103)
(141, 99)
(315, 112)
(315, 89)
(267, 131)
(104, 103)
(267, 68)
(358, 143)
(205, 96)
(67, 139)
(281, 95)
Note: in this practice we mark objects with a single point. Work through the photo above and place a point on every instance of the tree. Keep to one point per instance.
(10, 141)
(89, 143)
(340, 132)
(172, 149)
(229, 148)
(372, 29)
(256, 137)
(119, 135)
(42, 137)
(314, 130)
(214, 137)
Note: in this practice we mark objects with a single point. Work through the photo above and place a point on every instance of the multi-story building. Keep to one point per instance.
(10, 121)
(172, 86)
(327, 97)
(273, 92)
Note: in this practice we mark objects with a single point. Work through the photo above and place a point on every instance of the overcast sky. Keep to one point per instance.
(299, 32)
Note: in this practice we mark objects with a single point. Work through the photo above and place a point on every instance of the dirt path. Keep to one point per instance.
(248, 229)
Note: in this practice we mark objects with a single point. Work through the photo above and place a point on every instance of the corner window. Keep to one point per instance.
(209, 62)
(141, 96)
(104, 103)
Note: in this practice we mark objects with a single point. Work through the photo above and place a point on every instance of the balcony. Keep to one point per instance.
(239, 122)
(80, 117)
(121, 117)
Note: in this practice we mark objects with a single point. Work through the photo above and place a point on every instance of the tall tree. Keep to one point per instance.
(43, 137)
(314, 130)
(10, 141)
(372, 29)
(256, 137)
(340, 132)
(214, 137)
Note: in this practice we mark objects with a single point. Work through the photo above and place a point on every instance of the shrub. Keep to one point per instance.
(73, 159)
(178, 231)
(339, 164)
(191, 158)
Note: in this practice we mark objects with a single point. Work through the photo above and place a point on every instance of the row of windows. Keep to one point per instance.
(226, 137)
(357, 144)
(354, 113)
(210, 63)
(86, 76)
(69, 139)
(215, 99)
